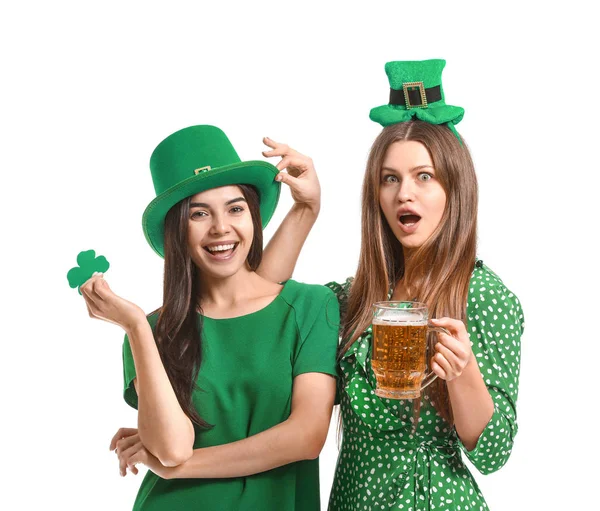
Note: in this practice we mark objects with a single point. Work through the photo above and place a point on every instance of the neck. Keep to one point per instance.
(401, 291)
(218, 292)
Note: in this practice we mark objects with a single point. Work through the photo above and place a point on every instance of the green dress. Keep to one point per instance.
(382, 464)
(248, 367)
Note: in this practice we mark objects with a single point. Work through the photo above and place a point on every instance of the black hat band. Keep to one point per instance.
(416, 94)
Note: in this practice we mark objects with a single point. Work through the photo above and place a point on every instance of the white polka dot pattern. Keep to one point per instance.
(382, 464)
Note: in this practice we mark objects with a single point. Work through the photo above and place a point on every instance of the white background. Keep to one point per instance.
(89, 89)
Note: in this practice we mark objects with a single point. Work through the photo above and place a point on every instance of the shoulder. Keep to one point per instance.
(489, 296)
(340, 287)
(294, 292)
(153, 317)
(487, 283)
(312, 304)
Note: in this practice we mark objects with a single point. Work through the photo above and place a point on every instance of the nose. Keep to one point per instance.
(219, 225)
(406, 191)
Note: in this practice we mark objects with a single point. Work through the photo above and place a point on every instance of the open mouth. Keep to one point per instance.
(221, 251)
(409, 219)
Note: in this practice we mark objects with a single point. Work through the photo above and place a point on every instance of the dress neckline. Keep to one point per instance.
(250, 314)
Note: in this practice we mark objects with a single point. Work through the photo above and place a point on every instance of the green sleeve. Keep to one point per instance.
(495, 325)
(129, 393)
(342, 291)
(129, 374)
(317, 349)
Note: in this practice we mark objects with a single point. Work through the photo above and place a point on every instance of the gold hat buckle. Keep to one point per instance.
(202, 169)
(410, 86)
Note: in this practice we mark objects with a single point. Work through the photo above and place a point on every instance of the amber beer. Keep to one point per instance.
(399, 361)
(399, 355)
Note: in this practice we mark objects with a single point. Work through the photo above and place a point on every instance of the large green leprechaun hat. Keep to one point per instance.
(196, 159)
(416, 93)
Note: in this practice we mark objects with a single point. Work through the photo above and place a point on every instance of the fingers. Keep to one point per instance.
(290, 157)
(284, 177)
(121, 433)
(455, 326)
(90, 293)
(126, 453)
(138, 457)
(278, 149)
(295, 163)
(437, 369)
(88, 284)
(91, 303)
(122, 466)
(447, 359)
(126, 443)
(458, 348)
(284, 163)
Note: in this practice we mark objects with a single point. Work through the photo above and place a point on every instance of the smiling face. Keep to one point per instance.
(411, 197)
(220, 231)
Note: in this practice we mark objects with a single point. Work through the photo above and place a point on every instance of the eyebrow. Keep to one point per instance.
(204, 205)
(418, 167)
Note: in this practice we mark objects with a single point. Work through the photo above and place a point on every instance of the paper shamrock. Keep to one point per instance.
(88, 264)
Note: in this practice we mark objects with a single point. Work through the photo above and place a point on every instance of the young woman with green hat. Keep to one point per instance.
(419, 211)
(234, 376)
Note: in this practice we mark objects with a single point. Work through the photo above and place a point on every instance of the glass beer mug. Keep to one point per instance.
(400, 349)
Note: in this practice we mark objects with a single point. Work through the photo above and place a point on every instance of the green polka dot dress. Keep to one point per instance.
(382, 465)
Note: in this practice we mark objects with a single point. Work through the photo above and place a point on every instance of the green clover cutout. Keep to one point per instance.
(88, 264)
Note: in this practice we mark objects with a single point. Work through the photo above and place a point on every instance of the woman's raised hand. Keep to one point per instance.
(301, 176)
(103, 304)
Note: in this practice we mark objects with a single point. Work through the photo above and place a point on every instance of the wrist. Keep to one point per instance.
(137, 326)
(307, 209)
(178, 471)
(470, 375)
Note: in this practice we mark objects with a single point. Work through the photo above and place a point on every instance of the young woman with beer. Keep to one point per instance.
(419, 210)
(234, 376)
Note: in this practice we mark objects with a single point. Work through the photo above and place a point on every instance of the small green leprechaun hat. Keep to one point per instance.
(416, 93)
(196, 159)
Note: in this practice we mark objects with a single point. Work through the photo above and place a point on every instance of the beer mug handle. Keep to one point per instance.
(430, 376)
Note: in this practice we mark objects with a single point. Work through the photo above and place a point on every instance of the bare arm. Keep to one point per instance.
(166, 431)
(164, 428)
(472, 404)
(283, 250)
(300, 437)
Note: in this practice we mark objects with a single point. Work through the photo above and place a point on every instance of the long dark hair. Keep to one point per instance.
(439, 271)
(178, 330)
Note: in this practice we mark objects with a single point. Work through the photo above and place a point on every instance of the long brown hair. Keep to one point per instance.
(178, 330)
(439, 271)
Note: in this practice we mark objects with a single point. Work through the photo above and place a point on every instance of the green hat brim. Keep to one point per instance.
(442, 114)
(259, 174)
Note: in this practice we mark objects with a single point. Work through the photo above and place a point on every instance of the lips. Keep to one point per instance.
(222, 251)
(408, 220)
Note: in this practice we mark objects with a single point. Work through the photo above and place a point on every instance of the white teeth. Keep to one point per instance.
(220, 248)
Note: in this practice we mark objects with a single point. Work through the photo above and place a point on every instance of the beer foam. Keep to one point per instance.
(393, 316)
(399, 321)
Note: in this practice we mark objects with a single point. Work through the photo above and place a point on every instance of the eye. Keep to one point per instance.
(236, 209)
(198, 214)
(425, 176)
(390, 178)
